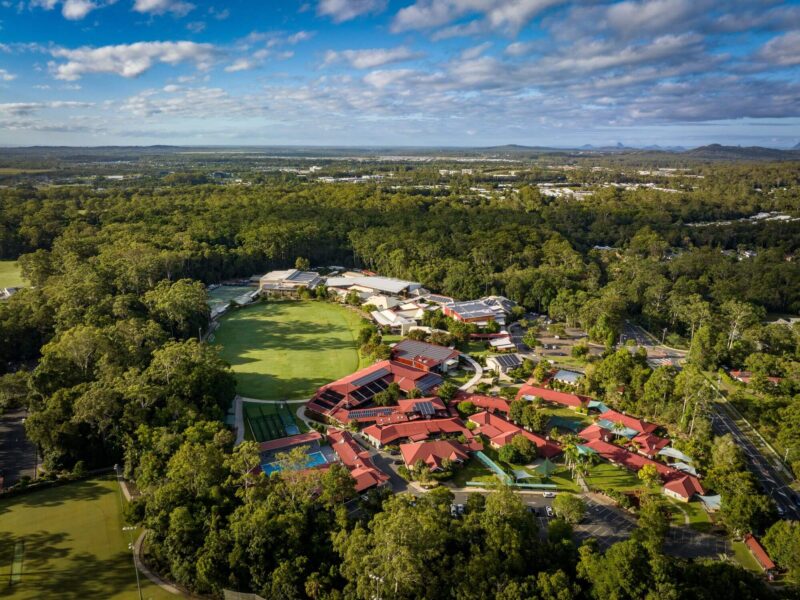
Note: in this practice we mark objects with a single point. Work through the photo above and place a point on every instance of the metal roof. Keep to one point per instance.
(472, 309)
(370, 377)
(508, 361)
(383, 284)
(429, 381)
(413, 348)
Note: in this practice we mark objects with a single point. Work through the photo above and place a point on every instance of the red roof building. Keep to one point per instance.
(649, 445)
(311, 437)
(746, 376)
(639, 425)
(683, 487)
(359, 388)
(433, 454)
(425, 356)
(759, 552)
(405, 410)
(487, 403)
(500, 432)
(676, 483)
(357, 461)
(415, 431)
(528, 392)
(596, 432)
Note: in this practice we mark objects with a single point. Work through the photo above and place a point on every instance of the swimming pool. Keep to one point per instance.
(315, 459)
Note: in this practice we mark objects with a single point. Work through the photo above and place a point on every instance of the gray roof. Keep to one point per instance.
(567, 376)
(412, 348)
(382, 284)
(472, 309)
(507, 361)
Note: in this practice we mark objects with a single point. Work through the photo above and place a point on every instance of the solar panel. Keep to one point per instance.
(430, 380)
(425, 408)
(383, 372)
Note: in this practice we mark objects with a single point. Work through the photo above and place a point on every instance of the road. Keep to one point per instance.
(767, 474)
(18, 456)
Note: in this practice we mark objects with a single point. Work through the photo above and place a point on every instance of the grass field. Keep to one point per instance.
(69, 544)
(606, 476)
(743, 556)
(285, 350)
(10, 275)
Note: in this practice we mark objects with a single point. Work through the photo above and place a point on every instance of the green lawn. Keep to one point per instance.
(70, 545)
(605, 476)
(284, 350)
(10, 275)
(743, 556)
(473, 470)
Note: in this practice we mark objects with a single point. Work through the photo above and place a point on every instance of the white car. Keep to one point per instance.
(549, 495)
(549, 511)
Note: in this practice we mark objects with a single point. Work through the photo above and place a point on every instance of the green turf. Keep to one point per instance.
(605, 476)
(269, 421)
(285, 350)
(743, 556)
(69, 544)
(10, 275)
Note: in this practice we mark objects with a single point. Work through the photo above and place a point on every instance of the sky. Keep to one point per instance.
(400, 72)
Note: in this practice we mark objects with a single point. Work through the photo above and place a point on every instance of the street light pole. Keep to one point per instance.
(132, 548)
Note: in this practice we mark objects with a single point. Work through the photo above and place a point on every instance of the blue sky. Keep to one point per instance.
(400, 72)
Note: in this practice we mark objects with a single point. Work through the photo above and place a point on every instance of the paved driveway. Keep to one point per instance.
(18, 456)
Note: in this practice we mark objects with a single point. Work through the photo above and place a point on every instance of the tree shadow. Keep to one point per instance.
(55, 496)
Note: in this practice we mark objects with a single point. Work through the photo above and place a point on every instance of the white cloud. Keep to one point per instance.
(508, 15)
(196, 26)
(75, 10)
(300, 36)
(346, 10)
(519, 48)
(783, 50)
(161, 7)
(370, 58)
(27, 108)
(241, 64)
(200, 102)
(6, 76)
(129, 60)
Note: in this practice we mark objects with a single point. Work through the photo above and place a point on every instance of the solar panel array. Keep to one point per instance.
(370, 412)
(370, 377)
(368, 391)
(329, 398)
(425, 408)
(508, 360)
(413, 348)
(426, 383)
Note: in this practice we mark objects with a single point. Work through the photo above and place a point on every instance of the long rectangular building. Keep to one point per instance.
(359, 388)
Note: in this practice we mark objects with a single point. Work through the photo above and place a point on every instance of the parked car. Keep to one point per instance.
(549, 494)
(549, 511)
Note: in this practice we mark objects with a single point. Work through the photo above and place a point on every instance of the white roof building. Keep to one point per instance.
(374, 284)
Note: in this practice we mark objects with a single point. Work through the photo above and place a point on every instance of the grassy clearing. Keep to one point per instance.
(605, 476)
(71, 545)
(742, 556)
(15, 171)
(285, 350)
(10, 274)
(473, 470)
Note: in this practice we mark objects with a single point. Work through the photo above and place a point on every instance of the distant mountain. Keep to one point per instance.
(796, 146)
(720, 152)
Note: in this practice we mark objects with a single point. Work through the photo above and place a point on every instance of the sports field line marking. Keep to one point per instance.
(16, 566)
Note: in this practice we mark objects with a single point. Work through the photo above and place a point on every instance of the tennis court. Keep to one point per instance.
(269, 421)
(315, 459)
